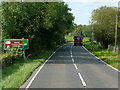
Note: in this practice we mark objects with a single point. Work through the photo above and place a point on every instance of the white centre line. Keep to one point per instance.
(75, 66)
(80, 76)
(83, 82)
(73, 60)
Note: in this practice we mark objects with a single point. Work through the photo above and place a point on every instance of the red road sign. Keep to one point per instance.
(13, 44)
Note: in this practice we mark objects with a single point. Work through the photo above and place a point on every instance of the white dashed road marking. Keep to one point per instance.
(79, 74)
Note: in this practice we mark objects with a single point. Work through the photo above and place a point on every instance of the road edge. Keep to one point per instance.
(29, 81)
(100, 59)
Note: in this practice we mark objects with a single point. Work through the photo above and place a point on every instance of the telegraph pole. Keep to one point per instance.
(119, 39)
(116, 32)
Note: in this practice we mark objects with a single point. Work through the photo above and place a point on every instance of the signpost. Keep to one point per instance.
(15, 43)
(12, 44)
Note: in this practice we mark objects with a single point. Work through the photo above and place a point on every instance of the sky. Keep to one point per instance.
(82, 9)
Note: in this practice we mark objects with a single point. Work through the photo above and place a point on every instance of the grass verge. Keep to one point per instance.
(107, 56)
(15, 75)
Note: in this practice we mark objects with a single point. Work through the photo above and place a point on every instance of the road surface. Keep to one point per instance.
(74, 67)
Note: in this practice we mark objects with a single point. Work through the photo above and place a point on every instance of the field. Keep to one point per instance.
(69, 38)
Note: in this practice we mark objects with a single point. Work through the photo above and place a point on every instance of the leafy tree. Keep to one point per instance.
(78, 30)
(118, 33)
(83, 30)
(103, 21)
(43, 23)
(87, 31)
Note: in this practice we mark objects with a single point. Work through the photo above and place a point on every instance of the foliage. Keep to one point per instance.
(43, 23)
(78, 30)
(84, 30)
(70, 39)
(11, 57)
(87, 31)
(107, 56)
(18, 73)
(103, 22)
(118, 35)
(15, 75)
(86, 39)
(92, 46)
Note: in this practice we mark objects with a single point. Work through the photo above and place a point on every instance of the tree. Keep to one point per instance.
(43, 23)
(103, 22)
(78, 30)
(87, 31)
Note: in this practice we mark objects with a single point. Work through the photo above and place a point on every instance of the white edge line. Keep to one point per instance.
(101, 60)
(83, 82)
(40, 69)
(35, 75)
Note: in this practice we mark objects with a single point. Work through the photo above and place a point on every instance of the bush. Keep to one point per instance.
(93, 46)
(10, 58)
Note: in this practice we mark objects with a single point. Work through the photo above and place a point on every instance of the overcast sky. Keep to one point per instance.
(82, 9)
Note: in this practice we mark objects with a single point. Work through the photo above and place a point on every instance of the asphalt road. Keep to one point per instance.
(74, 67)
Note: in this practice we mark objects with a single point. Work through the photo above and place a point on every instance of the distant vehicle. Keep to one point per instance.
(78, 40)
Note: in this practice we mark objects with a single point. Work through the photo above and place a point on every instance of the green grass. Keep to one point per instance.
(85, 39)
(107, 56)
(15, 75)
(70, 39)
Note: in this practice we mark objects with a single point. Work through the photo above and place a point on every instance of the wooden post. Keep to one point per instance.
(119, 38)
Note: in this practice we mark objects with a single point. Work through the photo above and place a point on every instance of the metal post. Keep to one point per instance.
(23, 52)
(116, 33)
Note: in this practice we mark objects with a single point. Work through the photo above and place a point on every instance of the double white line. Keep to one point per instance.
(79, 74)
